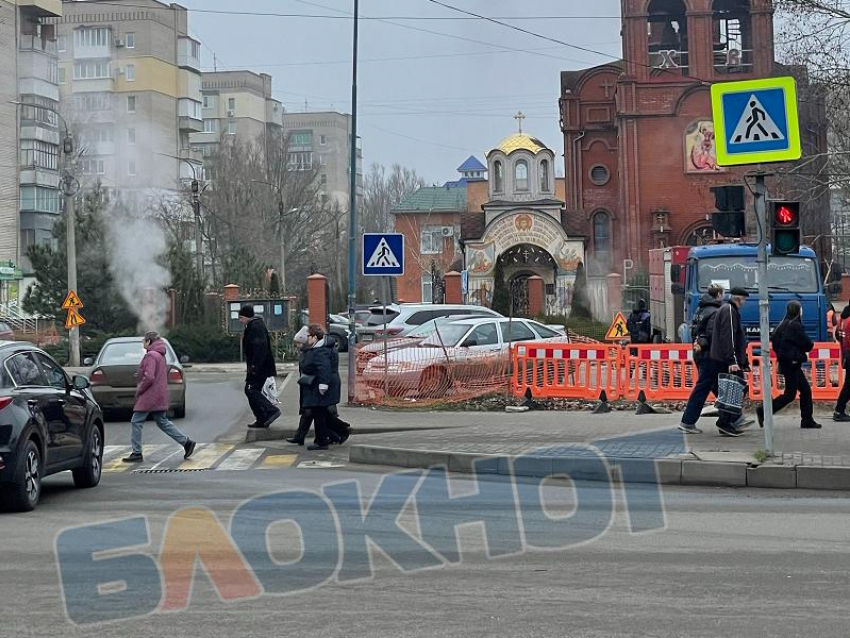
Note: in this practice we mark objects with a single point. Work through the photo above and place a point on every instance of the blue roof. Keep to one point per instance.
(472, 163)
(738, 249)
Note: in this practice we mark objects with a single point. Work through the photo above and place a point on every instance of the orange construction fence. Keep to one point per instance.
(665, 372)
(825, 372)
(566, 371)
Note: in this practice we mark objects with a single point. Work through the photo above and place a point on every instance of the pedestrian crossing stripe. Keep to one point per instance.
(210, 456)
(755, 124)
(383, 257)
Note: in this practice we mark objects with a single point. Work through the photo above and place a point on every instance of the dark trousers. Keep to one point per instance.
(844, 396)
(705, 385)
(260, 405)
(796, 381)
(334, 426)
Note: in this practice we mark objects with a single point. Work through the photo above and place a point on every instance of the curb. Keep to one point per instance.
(666, 471)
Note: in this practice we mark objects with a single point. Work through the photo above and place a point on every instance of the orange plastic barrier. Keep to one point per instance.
(566, 371)
(825, 372)
(665, 372)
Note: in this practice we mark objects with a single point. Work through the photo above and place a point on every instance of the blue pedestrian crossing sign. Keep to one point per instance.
(756, 121)
(383, 254)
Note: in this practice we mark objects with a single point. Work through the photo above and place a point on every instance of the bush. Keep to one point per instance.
(204, 343)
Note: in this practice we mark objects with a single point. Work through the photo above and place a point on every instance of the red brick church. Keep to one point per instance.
(638, 137)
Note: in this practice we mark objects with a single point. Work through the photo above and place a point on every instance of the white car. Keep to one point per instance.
(466, 350)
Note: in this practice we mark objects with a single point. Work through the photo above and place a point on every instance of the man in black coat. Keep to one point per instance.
(257, 350)
(729, 348)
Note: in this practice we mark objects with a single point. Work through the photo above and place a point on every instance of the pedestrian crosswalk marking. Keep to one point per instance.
(275, 461)
(206, 456)
(383, 257)
(755, 124)
(150, 453)
(241, 459)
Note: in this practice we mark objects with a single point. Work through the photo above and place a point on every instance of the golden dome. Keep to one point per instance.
(520, 142)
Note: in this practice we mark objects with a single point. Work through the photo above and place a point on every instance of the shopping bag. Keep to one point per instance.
(270, 390)
(730, 393)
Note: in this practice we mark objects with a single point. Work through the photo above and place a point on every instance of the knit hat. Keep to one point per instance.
(302, 335)
(247, 311)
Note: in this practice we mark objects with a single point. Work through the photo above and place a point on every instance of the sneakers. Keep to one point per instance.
(841, 417)
(189, 448)
(689, 429)
(315, 446)
(135, 457)
(728, 430)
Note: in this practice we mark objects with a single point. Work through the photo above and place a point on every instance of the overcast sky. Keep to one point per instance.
(439, 98)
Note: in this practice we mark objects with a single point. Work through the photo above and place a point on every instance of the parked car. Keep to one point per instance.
(50, 423)
(113, 375)
(339, 329)
(462, 349)
(405, 317)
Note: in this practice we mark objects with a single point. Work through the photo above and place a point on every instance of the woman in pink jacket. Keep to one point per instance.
(152, 399)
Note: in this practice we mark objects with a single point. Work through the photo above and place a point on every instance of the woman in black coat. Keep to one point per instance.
(791, 346)
(320, 384)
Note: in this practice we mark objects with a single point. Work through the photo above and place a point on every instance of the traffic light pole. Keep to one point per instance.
(764, 312)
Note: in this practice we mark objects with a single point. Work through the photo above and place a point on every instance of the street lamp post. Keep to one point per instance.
(70, 188)
(352, 215)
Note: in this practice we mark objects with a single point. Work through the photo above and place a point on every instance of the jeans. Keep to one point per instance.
(705, 385)
(796, 381)
(162, 421)
(260, 405)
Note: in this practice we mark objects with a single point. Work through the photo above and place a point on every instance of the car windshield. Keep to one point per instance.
(127, 353)
(794, 274)
(446, 335)
(427, 328)
(376, 317)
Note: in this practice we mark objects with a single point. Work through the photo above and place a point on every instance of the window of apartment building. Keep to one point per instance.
(323, 140)
(53, 71)
(210, 126)
(323, 160)
(92, 70)
(36, 154)
(299, 161)
(93, 37)
(301, 139)
(96, 134)
(87, 102)
(91, 166)
(231, 104)
(39, 199)
(131, 104)
(130, 40)
(130, 72)
(62, 75)
(131, 136)
(131, 168)
(427, 288)
(324, 180)
(210, 101)
(231, 127)
(62, 43)
(196, 50)
(431, 241)
(31, 112)
(27, 238)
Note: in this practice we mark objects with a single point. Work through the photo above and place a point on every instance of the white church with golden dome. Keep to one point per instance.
(516, 227)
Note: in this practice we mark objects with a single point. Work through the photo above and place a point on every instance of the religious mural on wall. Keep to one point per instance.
(701, 148)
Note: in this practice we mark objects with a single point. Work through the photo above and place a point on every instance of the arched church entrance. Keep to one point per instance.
(521, 262)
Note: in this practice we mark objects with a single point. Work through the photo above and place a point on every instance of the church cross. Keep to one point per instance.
(519, 117)
(607, 85)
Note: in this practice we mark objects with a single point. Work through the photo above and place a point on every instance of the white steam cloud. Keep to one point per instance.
(137, 246)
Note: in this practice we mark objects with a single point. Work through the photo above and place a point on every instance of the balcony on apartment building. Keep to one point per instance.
(42, 8)
(38, 74)
(190, 115)
(189, 53)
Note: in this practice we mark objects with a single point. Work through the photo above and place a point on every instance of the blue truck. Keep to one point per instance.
(790, 277)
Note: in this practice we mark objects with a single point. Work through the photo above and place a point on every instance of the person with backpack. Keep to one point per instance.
(792, 347)
(639, 324)
(843, 336)
(701, 331)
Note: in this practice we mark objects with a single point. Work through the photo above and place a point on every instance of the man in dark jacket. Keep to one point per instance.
(639, 324)
(257, 350)
(729, 348)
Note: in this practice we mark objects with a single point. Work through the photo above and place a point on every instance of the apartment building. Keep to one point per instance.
(130, 88)
(238, 104)
(30, 134)
(322, 139)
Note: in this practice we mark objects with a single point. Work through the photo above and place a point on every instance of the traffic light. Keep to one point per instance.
(729, 220)
(786, 228)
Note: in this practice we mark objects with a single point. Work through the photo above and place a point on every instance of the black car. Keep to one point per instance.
(48, 424)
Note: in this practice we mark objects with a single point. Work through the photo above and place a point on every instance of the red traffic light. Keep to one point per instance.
(786, 213)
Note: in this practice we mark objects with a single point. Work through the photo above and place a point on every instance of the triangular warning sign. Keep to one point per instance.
(74, 319)
(383, 257)
(755, 125)
(72, 301)
(618, 329)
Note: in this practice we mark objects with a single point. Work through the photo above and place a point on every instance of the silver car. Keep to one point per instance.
(402, 318)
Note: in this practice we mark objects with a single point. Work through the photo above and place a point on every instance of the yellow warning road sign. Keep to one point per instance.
(74, 319)
(72, 301)
(618, 329)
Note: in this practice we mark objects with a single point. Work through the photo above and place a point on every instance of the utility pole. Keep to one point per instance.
(764, 312)
(70, 188)
(199, 238)
(282, 276)
(352, 214)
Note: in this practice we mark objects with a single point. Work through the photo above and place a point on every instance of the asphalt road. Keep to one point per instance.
(729, 563)
(215, 404)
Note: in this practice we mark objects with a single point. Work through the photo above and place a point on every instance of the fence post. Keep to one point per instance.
(317, 301)
(536, 296)
(454, 295)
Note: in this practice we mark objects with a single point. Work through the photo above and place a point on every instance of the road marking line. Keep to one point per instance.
(206, 457)
(276, 461)
(111, 452)
(242, 459)
(169, 457)
(117, 465)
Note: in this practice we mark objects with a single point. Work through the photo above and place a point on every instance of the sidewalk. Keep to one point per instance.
(815, 459)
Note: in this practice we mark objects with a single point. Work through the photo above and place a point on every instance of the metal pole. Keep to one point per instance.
(282, 276)
(764, 314)
(352, 215)
(71, 249)
(199, 239)
(384, 295)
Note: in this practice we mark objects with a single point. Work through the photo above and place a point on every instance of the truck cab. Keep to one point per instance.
(734, 265)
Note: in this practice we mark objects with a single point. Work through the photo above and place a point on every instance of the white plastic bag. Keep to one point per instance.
(270, 391)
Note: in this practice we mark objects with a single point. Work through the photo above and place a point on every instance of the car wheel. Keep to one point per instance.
(434, 383)
(25, 491)
(180, 411)
(89, 474)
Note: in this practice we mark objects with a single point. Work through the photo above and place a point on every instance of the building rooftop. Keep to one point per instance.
(433, 199)
(471, 164)
(520, 142)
